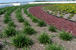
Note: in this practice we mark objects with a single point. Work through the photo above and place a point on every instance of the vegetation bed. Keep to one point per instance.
(59, 23)
(30, 31)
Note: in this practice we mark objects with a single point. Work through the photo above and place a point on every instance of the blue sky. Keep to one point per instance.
(4, 1)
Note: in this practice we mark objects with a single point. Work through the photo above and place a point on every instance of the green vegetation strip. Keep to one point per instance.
(7, 17)
(19, 15)
(62, 8)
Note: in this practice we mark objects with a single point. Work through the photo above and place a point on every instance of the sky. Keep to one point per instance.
(6, 1)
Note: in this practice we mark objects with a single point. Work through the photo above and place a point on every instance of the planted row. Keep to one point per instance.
(7, 17)
(19, 39)
(41, 23)
(62, 8)
(3, 10)
(19, 15)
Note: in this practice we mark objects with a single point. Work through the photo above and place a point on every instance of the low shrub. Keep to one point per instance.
(7, 19)
(20, 19)
(41, 23)
(55, 13)
(52, 28)
(10, 31)
(53, 47)
(11, 23)
(69, 17)
(29, 30)
(25, 48)
(26, 23)
(51, 13)
(47, 11)
(1, 35)
(61, 15)
(21, 41)
(28, 14)
(1, 46)
(66, 12)
(65, 35)
(34, 19)
(60, 12)
(44, 38)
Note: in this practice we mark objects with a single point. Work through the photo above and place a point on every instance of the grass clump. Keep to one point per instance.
(21, 41)
(6, 19)
(53, 47)
(44, 38)
(34, 19)
(1, 46)
(10, 31)
(52, 28)
(69, 17)
(25, 48)
(51, 13)
(41, 23)
(11, 23)
(65, 35)
(60, 12)
(47, 11)
(61, 15)
(26, 23)
(55, 13)
(20, 19)
(29, 30)
(1, 35)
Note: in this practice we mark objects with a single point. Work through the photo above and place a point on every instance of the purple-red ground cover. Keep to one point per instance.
(59, 23)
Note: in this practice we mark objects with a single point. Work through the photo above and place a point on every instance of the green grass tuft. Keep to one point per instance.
(10, 31)
(52, 28)
(29, 30)
(53, 47)
(65, 36)
(34, 19)
(41, 23)
(26, 23)
(21, 41)
(11, 23)
(44, 38)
